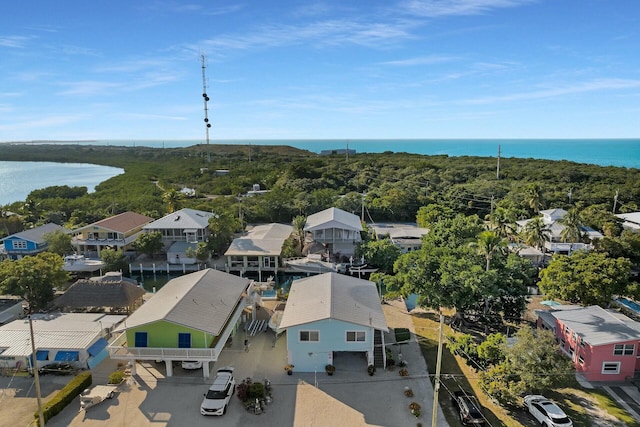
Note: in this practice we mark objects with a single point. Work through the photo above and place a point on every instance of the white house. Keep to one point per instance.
(551, 218)
(259, 251)
(631, 221)
(329, 315)
(76, 338)
(180, 231)
(337, 229)
(408, 237)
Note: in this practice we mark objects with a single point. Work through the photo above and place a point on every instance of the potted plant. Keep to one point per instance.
(289, 368)
(414, 407)
(371, 370)
(403, 372)
(408, 392)
(330, 369)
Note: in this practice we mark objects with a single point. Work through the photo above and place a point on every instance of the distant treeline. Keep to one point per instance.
(392, 186)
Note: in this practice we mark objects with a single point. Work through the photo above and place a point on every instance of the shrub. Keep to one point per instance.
(242, 390)
(403, 372)
(414, 406)
(256, 391)
(330, 369)
(116, 377)
(371, 369)
(408, 392)
(65, 395)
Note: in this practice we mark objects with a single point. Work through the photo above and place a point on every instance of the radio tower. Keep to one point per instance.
(206, 108)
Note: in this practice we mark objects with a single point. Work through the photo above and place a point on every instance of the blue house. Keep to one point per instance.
(29, 242)
(333, 317)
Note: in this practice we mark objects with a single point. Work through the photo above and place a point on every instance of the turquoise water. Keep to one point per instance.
(630, 304)
(18, 179)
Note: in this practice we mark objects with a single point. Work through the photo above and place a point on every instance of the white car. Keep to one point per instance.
(191, 364)
(546, 412)
(217, 399)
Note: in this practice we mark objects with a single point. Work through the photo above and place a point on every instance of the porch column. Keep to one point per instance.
(169, 364)
(132, 365)
(205, 369)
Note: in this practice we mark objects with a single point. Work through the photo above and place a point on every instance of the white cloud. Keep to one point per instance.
(590, 86)
(16, 42)
(422, 60)
(438, 8)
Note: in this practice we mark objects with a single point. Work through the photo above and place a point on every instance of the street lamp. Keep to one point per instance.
(34, 364)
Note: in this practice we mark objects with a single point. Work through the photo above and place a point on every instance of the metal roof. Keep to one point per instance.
(333, 218)
(120, 223)
(334, 296)
(399, 231)
(203, 300)
(54, 331)
(261, 240)
(182, 219)
(36, 234)
(598, 326)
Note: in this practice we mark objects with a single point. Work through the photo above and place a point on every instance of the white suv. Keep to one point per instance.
(546, 412)
(216, 400)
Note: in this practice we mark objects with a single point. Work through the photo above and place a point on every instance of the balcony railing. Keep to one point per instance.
(118, 351)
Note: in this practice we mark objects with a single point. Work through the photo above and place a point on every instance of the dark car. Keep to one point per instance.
(59, 368)
(468, 408)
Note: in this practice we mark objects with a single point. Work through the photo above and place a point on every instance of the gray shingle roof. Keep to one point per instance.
(183, 219)
(333, 218)
(36, 234)
(598, 326)
(334, 296)
(203, 300)
(262, 240)
(100, 293)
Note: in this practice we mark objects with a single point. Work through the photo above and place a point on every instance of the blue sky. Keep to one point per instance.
(342, 69)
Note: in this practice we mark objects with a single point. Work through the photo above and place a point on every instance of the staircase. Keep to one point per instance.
(257, 326)
(378, 349)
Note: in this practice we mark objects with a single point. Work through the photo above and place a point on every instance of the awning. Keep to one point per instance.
(42, 355)
(190, 231)
(97, 347)
(67, 356)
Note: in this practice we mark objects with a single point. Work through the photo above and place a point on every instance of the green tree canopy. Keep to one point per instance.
(58, 242)
(33, 277)
(527, 368)
(432, 213)
(149, 243)
(114, 260)
(586, 278)
(381, 253)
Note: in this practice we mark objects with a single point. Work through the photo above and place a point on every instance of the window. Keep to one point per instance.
(353, 336)
(563, 343)
(309, 336)
(583, 343)
(581, 360)
(266, 261)
(184, 340)
(141, 339)
(571, 351)
(624, 349)
(611, 367)
(19, 244)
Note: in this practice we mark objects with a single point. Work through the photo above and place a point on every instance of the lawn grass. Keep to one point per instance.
(579, 403)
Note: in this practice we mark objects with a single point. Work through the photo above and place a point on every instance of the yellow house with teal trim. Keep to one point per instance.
(189, 318)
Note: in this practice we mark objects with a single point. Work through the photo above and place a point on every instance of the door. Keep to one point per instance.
(142, 339)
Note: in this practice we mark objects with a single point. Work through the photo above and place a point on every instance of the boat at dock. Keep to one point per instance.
(79, 263)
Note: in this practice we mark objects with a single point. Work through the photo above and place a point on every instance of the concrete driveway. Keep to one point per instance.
(151, 399)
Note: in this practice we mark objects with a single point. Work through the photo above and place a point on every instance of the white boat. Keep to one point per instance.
(78, 263)
(313, 263)
(274, 321)
(95, 395)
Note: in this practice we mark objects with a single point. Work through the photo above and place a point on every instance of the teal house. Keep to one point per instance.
(189, 318)
(334, 319)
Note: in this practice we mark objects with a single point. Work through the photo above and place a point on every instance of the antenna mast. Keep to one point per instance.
(206, 108)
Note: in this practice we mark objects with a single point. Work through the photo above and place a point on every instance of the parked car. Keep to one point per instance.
(546, 412)
(216, 400)
(58, 368)
(191, 364)
(468, 408)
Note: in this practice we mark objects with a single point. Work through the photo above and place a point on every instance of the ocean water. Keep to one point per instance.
(604, 152)
(18, 179)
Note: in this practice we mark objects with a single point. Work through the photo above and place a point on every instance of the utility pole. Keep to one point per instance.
(570, 193)
(34, 364)
(362, 213)
(615, 201)
(436, 383)
(206, 109)
(498, 168)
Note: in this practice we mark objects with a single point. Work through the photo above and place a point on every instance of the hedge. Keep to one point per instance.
(66, 395)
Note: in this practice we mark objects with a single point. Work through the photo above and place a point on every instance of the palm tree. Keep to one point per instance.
(572, 222)
(536, 233)
(173, 199)
(534, 198)
(488, 245)
(298, 225)
(502, 223)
